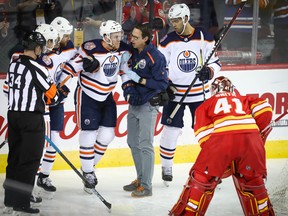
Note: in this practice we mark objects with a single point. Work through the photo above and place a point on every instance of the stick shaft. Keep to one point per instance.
(3, 143)
(107, 204)
(222, 36)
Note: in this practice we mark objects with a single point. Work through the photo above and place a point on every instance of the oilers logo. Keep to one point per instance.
(187, 61)
(110, 65)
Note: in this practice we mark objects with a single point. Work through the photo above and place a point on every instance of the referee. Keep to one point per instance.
(29, 87)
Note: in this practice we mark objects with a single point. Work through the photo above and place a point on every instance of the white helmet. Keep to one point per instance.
(179, 11)
(109, 27)
(49, 33)
(62, 25)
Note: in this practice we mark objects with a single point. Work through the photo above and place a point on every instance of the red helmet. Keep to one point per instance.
(221, 84)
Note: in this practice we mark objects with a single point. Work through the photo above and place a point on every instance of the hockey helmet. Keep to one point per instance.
(33, 39)
(49, 32)
(221, 84)
(179, 11)
(109, 27)
(63, 26)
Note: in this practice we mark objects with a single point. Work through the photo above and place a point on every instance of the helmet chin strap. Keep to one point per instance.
(109, 42)
(184, 23)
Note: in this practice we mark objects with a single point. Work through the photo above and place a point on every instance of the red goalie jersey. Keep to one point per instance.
(227, 113)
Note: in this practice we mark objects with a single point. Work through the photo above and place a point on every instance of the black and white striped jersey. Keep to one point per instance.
(27, 83)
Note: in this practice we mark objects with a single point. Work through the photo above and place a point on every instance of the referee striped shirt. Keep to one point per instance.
(27, 81)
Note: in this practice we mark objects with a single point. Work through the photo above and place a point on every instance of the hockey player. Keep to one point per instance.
(227, 128)
(95, 106)
(60, 63)
(185, 50)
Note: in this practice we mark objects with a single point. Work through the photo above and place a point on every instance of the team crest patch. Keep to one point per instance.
(47, 60)
(110, 65)
(89, 45)
(187, 61)
(142, 63)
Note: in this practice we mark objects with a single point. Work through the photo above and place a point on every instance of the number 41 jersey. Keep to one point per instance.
(229, 113)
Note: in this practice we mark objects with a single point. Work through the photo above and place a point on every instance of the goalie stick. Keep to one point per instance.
(107, 204)
(266, 131)
(216, 46)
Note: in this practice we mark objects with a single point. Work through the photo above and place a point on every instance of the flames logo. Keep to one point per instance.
(110, 65)
(187, 61)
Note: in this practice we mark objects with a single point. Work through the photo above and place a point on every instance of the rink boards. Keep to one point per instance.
(267, 82)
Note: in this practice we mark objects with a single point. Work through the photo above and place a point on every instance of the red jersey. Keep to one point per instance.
(227, 128)
(229, 113)
(143, 17)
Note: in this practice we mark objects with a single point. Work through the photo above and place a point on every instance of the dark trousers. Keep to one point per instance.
(26, 138)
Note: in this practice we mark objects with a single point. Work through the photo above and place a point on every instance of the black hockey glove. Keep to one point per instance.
(171, 90)
(161, 99)
(63, 92)
(90, 64)
(205, 74)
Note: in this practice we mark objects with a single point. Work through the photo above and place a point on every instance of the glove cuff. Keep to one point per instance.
(127, 84)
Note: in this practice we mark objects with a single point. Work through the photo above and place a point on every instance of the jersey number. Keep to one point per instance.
(223, 105)
(15, 82)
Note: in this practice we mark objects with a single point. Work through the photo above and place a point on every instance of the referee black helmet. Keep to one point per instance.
(33, 39)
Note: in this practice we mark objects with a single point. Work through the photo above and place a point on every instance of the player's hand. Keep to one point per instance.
(90, 64)
(205, 74)
(171, 90)
(63, 92)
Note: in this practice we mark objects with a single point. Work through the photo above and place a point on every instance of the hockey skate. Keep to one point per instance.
(167, 175)
(35, 201)
(92, 181)
(7, 210)
(25, 211)
(47, 189)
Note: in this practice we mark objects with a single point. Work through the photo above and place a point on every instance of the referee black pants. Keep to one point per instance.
(26, 137)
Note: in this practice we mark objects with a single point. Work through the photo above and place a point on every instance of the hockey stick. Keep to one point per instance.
(222, 36)
(3, 143)
(107, 204)
(273, 122)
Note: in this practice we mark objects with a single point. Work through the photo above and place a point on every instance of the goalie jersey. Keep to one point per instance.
(228, 113)
(184, 54)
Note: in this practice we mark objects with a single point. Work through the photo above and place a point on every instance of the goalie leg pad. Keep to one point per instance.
(253, 196)
(196, 195)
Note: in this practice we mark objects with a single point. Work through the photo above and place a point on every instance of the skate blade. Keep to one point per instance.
(166, 183)
(88, 190)
(44, 194)
(17, 213)
(7, 210)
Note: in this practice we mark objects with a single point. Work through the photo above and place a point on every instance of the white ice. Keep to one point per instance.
(71, 200)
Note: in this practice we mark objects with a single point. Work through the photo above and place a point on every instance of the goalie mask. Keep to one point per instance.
(50, 34)
(221, 84)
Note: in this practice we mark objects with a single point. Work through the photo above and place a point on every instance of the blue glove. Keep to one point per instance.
(134, 100)
(63, 92)
(205, 74)
(131, 95)
(133, 76)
